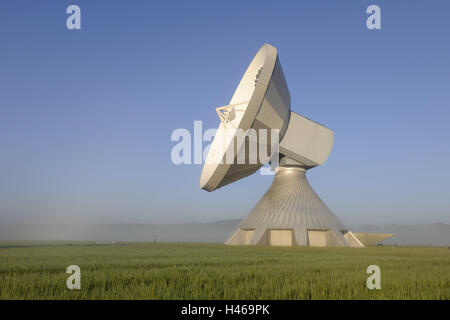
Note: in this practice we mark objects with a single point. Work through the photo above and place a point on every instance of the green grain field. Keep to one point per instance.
(213, 271)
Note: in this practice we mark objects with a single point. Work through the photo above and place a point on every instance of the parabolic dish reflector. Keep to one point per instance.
(261, 101)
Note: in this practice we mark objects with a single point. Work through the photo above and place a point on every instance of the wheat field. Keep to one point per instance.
(37, 270)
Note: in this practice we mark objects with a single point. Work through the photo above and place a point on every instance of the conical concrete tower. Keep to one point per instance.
(291, 213)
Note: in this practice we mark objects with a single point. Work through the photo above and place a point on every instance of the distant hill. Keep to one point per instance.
(189, 232)
(437, 234)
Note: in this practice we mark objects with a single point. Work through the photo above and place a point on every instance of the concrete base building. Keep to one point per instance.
(292, 214)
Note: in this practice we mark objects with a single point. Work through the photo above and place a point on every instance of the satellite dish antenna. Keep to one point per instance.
(261, 101)
(290, 213)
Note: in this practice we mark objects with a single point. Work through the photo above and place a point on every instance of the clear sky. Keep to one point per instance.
(86, 115)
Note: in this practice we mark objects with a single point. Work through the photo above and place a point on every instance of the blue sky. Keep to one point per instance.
(86, 115)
